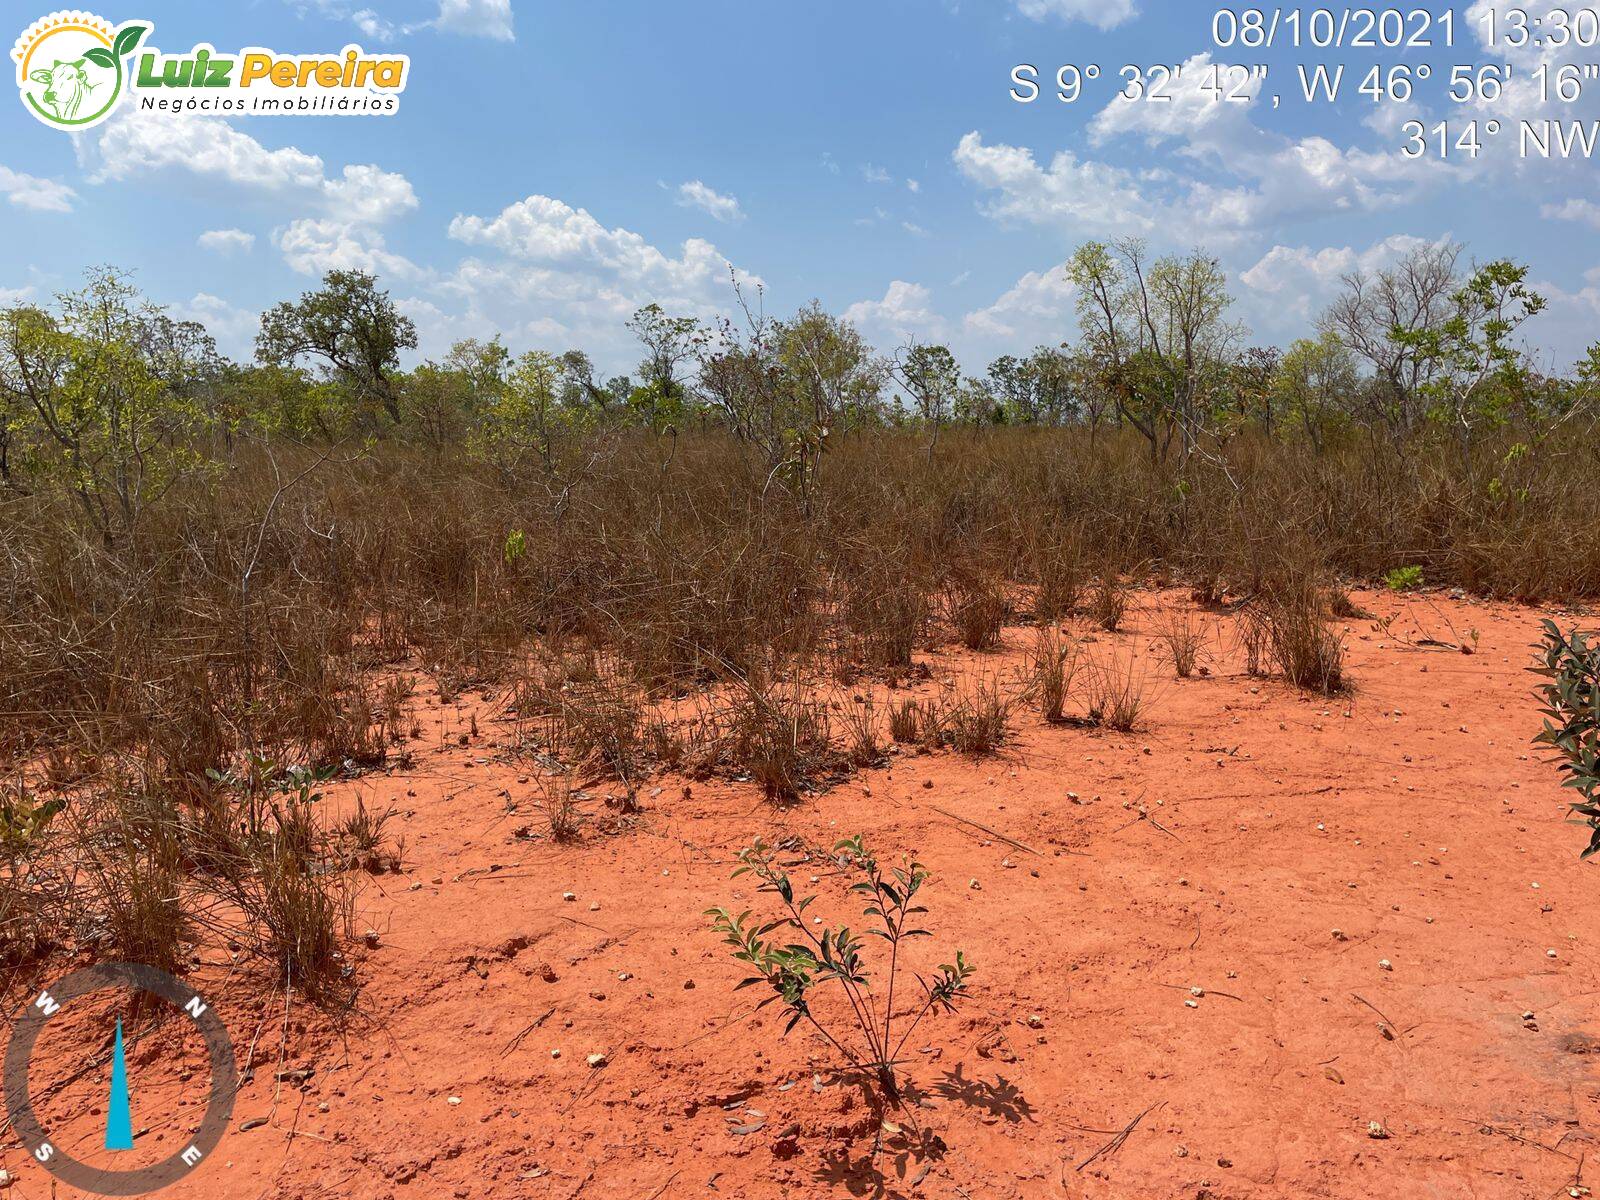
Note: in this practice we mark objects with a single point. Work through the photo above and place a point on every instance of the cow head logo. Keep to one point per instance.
(70, 67)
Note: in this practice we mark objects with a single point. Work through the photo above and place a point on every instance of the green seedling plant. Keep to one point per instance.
(1403, 579)
(1571, 664)
(793, 970)
(23, 818)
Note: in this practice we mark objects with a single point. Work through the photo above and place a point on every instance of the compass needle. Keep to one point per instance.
(119, 1116)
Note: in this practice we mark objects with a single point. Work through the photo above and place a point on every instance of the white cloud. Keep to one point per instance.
(131, 145)
(914, 229)
(29, 191)
(545, 230)
(713, 203)
(477, 18)
(913, 185)
(1290, 285)
(1037, 308)
(1103, 14)
(874, 174)
(564, 279)
(903, 314)
(315, 247)
(10, 296)
(234, 328)
(226, 241)
(1586, 212)
(1229, 179)
(1088, 197)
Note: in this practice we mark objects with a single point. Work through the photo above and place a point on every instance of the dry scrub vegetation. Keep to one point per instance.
(220, 584)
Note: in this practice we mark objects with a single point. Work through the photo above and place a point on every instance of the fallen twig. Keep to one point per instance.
(1115, 1143)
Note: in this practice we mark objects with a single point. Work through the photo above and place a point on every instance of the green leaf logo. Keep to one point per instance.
(127, 39)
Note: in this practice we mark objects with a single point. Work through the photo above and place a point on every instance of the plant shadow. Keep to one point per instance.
(1002, 1098)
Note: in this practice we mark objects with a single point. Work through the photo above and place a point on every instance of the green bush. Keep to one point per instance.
(1572, 718)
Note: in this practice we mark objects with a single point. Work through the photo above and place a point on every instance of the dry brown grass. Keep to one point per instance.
(239, 626)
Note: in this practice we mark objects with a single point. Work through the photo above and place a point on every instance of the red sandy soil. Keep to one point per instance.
(1413, 816)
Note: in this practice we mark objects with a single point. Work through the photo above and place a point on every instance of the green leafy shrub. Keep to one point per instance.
(793, 970)
(1403, 579)
(1572, 717)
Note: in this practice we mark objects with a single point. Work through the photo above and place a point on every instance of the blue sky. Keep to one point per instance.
(553, 166)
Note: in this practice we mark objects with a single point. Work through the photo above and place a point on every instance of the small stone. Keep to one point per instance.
(453, 1101)
(1191, 1004)
(595, 907)
(1338, 935)
(596, 1060)
(1385, 965)
(978, 887)
(371, 939)
(1549, 953)
(555, 1054)
(569, 897)
(1376, 1131)
(1035, 1021)
(1197, 991)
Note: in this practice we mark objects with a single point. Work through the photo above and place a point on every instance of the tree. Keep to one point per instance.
(1412, 296)
(662, 399)
(92, 388)
(1477, 367)
(931, 376)
(348, 325)
(785, 387)
(1157, 333)
(525, 419)
(1314, 384)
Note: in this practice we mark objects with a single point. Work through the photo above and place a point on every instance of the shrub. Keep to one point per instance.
(1571, 664)
(1403, 579)
(806, 956)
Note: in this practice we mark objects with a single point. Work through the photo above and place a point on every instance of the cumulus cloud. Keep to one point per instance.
(1228, 177)
(555, 275)
(904, 313)
(713, 203)
(1286, 289)
(131, 145)
(30, 191)
(1037, 308)
(233, 327)
(226, 241)
(1088, 197)
(1102, 14)
(314, 246)
(1585, 212)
